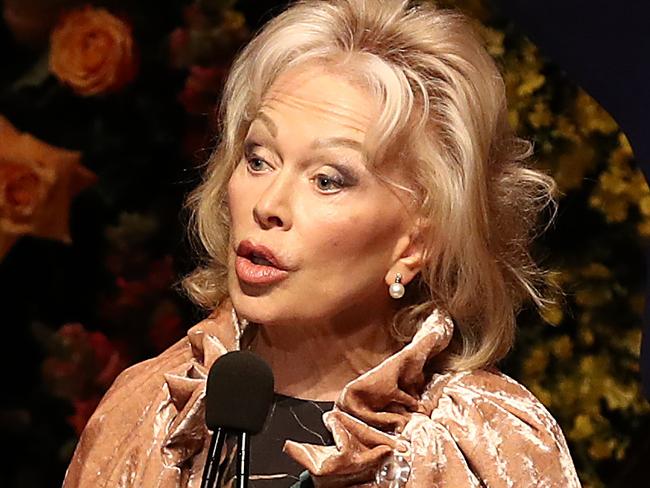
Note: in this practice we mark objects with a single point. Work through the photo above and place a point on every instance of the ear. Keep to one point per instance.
(409, 254)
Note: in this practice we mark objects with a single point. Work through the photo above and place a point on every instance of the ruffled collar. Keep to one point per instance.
(366, 419)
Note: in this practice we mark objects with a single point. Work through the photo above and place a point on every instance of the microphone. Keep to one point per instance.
(239, 393)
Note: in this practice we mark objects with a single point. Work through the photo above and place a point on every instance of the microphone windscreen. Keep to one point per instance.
(239, 392)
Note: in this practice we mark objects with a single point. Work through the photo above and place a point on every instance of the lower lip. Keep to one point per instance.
(258, 274)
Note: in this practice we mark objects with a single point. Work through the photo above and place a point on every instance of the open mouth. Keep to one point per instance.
(259, 255)
(257, 265)
(254, 258)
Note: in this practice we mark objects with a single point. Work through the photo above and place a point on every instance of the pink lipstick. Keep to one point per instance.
(257, 264)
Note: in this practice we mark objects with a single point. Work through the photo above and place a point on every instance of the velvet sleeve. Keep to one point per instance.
(486, 429)
(121, 443)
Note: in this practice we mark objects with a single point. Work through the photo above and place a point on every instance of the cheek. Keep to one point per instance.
(360, 240)
(237, 196)
(347, 263)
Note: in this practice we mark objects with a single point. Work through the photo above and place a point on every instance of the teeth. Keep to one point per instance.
(260, 260)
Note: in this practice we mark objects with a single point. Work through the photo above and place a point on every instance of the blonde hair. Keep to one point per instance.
(444, 110)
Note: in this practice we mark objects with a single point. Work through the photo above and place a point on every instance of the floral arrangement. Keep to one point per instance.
(93, 52)
(584, 367)
(37, 181)
(105, 118)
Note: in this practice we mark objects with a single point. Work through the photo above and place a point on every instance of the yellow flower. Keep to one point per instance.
(591, 117)
(612, 182)
(530, 54)
(583, 428)
(617, 396)
(532, 80)
(536, 362)
(566, 129)
(641, 406)
(621, 449)
(644, 205)
(638, 186)
(562, 347)
(602, 448)
(624, 142)
(513, 118)
(586, 336)
(643, 228)
(593, 296)
(631, 341)
(573, 165)
(596, 270)
(591, 365)
(612, 206)
(619, 157)
(569, 391)
(586, 319)
(493, 39)
(541, 115)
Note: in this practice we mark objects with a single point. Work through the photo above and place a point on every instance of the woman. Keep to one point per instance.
(365, 220)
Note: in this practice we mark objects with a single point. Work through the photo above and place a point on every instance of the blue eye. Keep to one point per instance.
(251, 160)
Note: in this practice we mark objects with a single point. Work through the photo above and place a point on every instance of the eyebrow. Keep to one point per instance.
(318, 143)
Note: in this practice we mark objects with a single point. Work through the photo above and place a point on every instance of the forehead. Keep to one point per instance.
(315, 96)
(317, 103)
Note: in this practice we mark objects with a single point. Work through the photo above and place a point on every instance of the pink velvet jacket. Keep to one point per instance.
(461, 429)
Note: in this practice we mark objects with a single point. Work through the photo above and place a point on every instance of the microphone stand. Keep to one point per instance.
(243, 459)
(211, 472)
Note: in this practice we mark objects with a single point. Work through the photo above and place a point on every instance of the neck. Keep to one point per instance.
(315, 361)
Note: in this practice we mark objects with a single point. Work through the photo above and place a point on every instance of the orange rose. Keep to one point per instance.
(22, 190)
(37, 183)
(92, 51)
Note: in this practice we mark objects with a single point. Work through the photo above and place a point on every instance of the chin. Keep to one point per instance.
(256, 306)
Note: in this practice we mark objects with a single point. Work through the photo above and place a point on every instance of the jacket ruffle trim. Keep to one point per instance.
(373, 409)
(365, 422)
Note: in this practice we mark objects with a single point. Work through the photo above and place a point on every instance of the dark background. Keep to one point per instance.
(136, 143)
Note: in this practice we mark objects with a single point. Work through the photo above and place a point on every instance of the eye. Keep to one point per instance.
(255, 164)
(327, 183)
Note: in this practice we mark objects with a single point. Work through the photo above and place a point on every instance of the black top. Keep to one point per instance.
(289, 418)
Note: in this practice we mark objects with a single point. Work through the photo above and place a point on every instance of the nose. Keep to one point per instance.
(273, 206)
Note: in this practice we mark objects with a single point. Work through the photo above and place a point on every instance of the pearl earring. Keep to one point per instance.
(396, 290)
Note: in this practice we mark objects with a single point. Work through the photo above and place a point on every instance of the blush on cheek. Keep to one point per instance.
(233, 183)
(365, 235)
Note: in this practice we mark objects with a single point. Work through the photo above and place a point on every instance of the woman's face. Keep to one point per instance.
(302, 190)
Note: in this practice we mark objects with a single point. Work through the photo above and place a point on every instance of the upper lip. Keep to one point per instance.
(247, 249)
